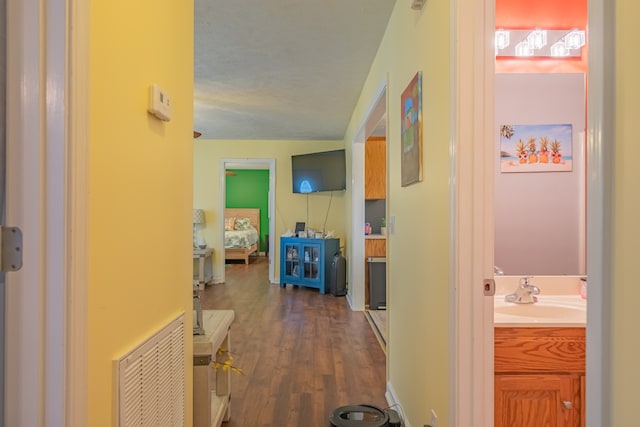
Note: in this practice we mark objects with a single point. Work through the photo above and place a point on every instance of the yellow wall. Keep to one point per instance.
(140, 180)
(418, 252)
(289, 209)
(625, 292)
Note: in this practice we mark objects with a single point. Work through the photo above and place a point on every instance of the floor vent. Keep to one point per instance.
(150, 380)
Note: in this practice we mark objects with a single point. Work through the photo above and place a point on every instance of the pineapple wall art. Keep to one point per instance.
(536, 148)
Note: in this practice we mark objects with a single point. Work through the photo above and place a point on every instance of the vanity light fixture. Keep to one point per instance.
(501, 39)
(574, 39)
(559, 49)
(539, 43)
(537, 39)
(524, 49)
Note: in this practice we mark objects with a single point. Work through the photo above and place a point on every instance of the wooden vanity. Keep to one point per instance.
(539, 376)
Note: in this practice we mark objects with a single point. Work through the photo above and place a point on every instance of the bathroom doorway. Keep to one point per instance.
(524, 81)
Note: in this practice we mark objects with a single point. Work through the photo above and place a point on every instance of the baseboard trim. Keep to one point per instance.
(395, 404)
(350, 302)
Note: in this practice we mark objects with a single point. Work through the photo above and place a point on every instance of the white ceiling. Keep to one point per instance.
(282, 69)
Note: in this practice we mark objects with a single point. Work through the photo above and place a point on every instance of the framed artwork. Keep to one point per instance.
(411, 125)
(536, 148)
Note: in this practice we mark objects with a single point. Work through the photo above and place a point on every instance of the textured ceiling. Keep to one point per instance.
(282, 69)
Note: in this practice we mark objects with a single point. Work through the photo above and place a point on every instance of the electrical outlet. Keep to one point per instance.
(434, 419)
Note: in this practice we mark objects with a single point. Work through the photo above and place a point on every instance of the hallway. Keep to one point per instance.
(302, 354)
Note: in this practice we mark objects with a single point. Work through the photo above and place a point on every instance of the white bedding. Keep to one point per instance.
(240, 238)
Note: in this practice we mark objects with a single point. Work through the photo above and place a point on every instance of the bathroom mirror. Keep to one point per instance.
(540, 209)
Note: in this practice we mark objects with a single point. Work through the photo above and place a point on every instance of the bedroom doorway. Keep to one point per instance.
(268, 232)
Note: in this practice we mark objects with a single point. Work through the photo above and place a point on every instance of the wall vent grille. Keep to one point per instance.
(150, 380)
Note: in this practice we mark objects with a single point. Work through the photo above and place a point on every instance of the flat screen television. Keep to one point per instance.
(313, 172)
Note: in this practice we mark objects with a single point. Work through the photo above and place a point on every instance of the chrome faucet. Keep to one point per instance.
(524, 294)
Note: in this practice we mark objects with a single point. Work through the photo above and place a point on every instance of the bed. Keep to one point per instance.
(241, 239)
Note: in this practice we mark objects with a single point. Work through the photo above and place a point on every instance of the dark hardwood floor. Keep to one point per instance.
(303, 354)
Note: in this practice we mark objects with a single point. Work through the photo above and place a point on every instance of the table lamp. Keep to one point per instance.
(198, 218)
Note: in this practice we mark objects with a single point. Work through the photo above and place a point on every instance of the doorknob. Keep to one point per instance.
(567, 404)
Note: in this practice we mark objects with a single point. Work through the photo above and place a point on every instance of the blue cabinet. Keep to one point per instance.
(306, 262)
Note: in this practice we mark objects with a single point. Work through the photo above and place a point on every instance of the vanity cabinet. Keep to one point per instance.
(539, 377)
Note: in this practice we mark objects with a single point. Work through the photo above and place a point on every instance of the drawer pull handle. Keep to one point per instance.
(567, 404)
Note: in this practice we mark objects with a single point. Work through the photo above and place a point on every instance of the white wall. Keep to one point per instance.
(539, 216)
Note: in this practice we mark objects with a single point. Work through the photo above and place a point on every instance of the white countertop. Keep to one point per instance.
(375, 236)
(568, 310)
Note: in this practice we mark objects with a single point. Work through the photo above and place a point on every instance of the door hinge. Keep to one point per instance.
(10, 249)
(489, 287)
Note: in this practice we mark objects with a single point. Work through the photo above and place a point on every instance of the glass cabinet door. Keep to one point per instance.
(311, 261)
(292, 262)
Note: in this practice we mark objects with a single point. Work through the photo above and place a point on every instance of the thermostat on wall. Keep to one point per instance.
(159, 103)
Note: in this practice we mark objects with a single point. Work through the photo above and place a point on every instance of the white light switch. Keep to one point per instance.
(159, 103)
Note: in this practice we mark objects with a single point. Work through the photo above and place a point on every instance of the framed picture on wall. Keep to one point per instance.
(536, 148)
(411, 125)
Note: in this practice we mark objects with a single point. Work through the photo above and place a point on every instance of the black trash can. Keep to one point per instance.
(377, 283)
(338, 278)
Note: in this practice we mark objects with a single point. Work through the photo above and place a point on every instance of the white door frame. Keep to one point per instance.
(600, 146)
(45, 385)
(258, 163)
(377, 110)
(471, 324)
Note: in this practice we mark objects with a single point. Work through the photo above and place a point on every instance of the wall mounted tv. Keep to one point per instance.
(313, 172)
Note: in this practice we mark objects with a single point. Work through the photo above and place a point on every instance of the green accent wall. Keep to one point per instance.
(249, 188)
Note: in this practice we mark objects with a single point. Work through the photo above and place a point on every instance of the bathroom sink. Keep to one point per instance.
(554, 310)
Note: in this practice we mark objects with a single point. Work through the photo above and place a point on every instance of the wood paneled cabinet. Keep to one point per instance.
(539, 377)
(536, 400)
(375, 247)
(375, 168)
